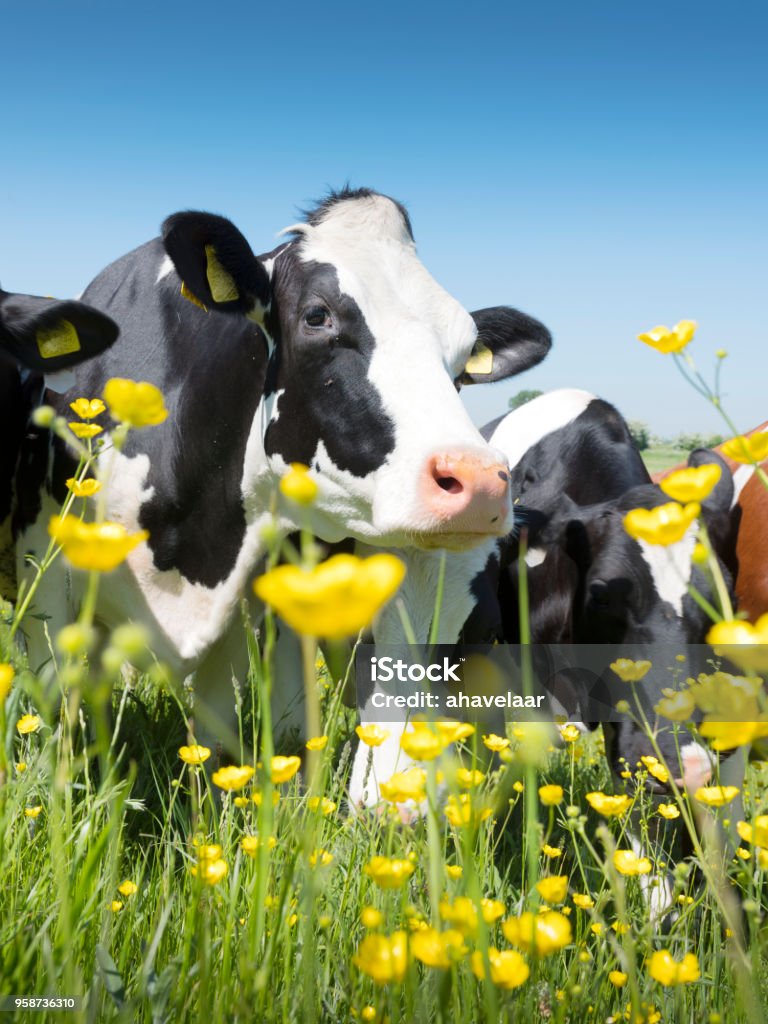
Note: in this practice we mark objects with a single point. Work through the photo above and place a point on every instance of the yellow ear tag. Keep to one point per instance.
(192, 298)
(223, 287)
(58, 341)
(481, 360)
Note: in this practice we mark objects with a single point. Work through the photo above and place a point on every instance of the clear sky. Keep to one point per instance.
(601, 165)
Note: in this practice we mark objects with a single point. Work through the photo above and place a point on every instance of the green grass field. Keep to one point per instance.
(663, 457)
(291, 925)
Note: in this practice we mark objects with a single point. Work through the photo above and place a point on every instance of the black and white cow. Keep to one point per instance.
(37, 336)
(589, 582)
(336, 349)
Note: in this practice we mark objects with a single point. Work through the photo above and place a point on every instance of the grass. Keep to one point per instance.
(276, 938)
(663, 456)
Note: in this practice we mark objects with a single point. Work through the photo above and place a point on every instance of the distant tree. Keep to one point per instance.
(522, 397)
(714, 440)
(690, 441)
(641, 435)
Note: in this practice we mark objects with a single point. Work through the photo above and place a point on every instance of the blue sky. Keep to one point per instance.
(599, 165)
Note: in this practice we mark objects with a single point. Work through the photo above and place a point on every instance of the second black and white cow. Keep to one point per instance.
(37, 336)
(336, 349)
(576, 472)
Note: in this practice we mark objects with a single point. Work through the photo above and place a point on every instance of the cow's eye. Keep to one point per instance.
(317, 316)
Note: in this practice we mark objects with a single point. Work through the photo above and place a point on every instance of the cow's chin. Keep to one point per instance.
(451, 541)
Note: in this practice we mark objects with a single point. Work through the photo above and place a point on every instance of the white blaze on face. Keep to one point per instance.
(670, 567)
(522, 428)
(423, 338)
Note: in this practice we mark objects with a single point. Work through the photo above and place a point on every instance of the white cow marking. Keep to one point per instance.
(670, 567)
(524, 427)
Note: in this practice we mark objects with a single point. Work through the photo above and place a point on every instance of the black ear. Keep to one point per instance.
(48, 334)
(721, 496)
(215, 263)
(508, 342)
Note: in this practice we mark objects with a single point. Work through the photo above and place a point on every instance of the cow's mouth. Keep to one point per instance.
(431, 541)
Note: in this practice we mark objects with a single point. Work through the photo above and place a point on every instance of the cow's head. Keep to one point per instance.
(46, 334)
(366, 354)
(626, 591)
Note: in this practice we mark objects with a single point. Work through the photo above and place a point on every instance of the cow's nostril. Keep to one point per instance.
(450, 484)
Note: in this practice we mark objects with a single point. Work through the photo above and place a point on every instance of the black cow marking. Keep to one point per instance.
(347, 415)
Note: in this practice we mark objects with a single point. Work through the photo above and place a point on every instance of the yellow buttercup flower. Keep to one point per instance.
(491, 910)
(618, 978)
(464, 811)
(663, 968)
(630, 671)
(250, 845)
(569, 733)
(408, 785)
(297, 485)
(454, 871)
(551, 851)
(32, 812)
(669, 811)
(83, 488)
(755, 834)
(694, 483)
(195, 754)
(87, 408)
(326, 805)
(540, 934)
(137, 403)
(422, 744)
(666, 340)
(677, 705)
(553, 889)
(508, 969)
(716, 796)
(627, 862)
(6, 679)
(461, 914)
(21, 767)
(317, 743)
(550, 795)
(116, 906)
(372, 735)
(609, 806)
(383, 957)
(438, 949)
(127, 888)
(370, 917)
(664, 524)
(454, 732)
(85, 430)
(282, 769)
(337, 598)
(583, 900)
(468, 778)
(210, 871)
(28, 723)
(655, 768)
(94, 546)
(206, 851)
(232, 777)
(320, 858)
(496, 743)
(389, 873)
(747, 449)
(735, 633)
